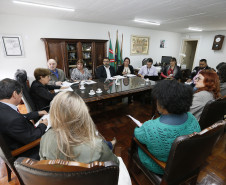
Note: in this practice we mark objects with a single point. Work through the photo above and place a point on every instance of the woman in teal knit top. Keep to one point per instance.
(173, 102)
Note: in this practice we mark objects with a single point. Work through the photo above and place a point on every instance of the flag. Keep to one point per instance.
(111, 55)
(121, 50)
(117, 53)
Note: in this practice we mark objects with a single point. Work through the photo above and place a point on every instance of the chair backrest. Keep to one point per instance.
(144, 61)
(60, 172)
(8, 159)
(189, 152)
(21, 77)
(213, 111)
(5, 153)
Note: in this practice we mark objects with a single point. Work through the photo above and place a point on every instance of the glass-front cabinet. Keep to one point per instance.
(87, 55)
(72, 54)
(68, 51)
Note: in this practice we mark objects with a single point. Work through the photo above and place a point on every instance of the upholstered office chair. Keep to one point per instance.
(186, 156)
(10, 156)
(144, 61)
(21, 77)
(60, 172)
(213, 111)
(185, 74)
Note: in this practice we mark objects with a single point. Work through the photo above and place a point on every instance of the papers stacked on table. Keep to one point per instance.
(49, 123)
(68, 84)
(130, 75)
(62, 90)
(88, 82)
(117, 77)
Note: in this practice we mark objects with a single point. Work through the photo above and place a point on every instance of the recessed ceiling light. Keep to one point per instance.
(194, 29)
(147, 22)
(44, 5)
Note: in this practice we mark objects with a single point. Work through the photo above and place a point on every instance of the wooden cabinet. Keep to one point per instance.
(68, 51)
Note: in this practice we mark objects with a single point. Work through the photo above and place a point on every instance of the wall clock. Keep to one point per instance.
(218, 42)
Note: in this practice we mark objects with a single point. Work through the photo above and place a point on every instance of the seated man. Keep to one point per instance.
(16, 128)
(57, 76)
(148, 70)
(197, 70)
(105, 71)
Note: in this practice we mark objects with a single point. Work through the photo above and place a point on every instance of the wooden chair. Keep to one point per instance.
(10, 156)
(214, 111)
(186, 156)
(60, 172)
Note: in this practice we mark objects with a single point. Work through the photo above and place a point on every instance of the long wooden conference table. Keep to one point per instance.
(113, 88)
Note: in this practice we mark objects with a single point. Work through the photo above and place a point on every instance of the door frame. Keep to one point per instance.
(182, 49)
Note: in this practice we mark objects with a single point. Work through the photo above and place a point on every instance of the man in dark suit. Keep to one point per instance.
(105, 71)
(17, 129)
(202, 65)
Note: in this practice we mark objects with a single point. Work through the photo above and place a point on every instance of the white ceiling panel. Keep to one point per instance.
(174, 15)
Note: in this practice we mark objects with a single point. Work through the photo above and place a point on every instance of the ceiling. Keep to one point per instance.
(173, 15)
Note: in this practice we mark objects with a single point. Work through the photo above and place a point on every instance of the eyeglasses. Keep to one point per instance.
(197, 79)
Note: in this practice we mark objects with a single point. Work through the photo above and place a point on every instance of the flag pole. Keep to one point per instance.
(121, 49)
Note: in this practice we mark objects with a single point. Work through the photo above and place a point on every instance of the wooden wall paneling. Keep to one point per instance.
(100, 53)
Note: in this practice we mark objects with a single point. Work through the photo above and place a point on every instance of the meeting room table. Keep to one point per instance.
(111, 88)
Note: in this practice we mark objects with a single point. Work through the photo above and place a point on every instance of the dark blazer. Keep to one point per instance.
(177, 76)
(101, 72)
(16, 128)
(121, 68)
(196, 70)
(41, 95)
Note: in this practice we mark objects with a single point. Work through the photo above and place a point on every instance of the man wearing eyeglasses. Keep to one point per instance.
(148, 70)
(202, 65)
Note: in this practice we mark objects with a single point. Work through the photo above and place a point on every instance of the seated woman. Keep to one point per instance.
(172, 70)
(40, 90)
(208, 88)
(158, 135)
(73, 134)
(80, 73)
(222, 76)
(125, 68)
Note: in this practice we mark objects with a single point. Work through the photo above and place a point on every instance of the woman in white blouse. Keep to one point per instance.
(125, 68)
(80, 73)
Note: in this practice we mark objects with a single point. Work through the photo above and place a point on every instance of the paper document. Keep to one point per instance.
(117, 77)
(139, 124)
(68, 84)
(88, 82)
(62, 90)
(130, 75)
(45, 117)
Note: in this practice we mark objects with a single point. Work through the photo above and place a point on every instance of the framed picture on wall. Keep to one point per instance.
(139, 45)
(12, 45)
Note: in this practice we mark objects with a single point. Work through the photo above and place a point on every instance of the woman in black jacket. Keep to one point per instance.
(40, 89)
(125, 68)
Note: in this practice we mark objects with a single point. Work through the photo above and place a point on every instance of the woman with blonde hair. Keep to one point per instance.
(73, 135)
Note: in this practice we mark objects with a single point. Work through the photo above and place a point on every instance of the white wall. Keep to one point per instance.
(204, 47)
(31, 29)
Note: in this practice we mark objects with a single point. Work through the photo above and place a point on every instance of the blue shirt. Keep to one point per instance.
(55, 73)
